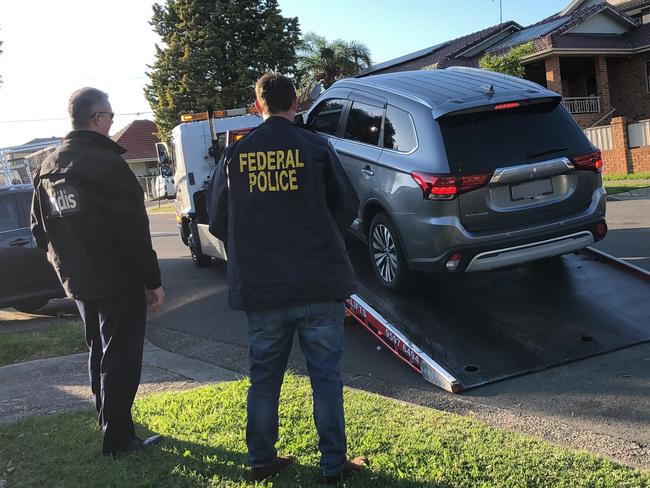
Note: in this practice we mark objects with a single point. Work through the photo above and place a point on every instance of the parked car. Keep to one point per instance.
(28, 280)
(461, 169)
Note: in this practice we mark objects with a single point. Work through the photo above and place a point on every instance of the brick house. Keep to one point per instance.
(595, 53)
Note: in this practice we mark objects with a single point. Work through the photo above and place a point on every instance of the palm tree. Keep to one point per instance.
(319, 59)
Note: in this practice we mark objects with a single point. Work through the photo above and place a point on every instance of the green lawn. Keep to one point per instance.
(619, 186)
(626, 176)
(61, 338)
(164, 208)
(408, 446)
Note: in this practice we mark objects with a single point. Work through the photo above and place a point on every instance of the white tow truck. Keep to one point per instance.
(196, 144)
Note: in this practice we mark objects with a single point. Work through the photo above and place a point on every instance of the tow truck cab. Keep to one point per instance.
(193, 155)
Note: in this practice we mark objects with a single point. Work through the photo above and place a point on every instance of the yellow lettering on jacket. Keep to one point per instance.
(272, 171)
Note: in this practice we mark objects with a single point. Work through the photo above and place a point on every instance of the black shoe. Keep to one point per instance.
(138, 444)
(351, 466)
(263, 472)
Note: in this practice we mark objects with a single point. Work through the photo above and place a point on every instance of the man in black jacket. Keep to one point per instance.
(88, 214)
(280, 200)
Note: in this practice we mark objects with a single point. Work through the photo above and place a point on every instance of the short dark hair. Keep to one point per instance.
(83, 104)
(275, 92)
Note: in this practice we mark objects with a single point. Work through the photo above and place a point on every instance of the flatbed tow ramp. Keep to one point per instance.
(466, 330)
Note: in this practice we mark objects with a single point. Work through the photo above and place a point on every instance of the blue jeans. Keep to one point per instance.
(320, 332)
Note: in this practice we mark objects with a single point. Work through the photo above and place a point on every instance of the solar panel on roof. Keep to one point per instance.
(403, 59)
(531, 33)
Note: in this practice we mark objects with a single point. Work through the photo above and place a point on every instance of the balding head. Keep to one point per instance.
(84, 105)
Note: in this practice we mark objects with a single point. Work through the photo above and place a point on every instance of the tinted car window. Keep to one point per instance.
(364, 123)
(325, 117)
(483, 141)
(399, 133)
(9, 219)
(25, 204)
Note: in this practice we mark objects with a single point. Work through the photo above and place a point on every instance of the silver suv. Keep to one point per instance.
(461, 169)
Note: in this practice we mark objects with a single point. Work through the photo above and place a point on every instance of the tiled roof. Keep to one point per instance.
(633, 40)
(558, 27)
(139, 139)
(439, 56)
(632, 4)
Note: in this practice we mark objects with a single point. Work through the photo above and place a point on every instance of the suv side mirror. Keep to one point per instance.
(298, 120)
(316, 90)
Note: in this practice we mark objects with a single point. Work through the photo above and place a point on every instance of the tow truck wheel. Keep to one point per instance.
(387, 257)
(200, 259)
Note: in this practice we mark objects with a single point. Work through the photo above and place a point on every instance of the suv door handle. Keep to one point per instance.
(367, 171)
(20, 242)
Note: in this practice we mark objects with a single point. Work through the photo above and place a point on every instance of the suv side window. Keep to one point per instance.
(364, 123)
(325, 117)
(399, 133)
(9, 217)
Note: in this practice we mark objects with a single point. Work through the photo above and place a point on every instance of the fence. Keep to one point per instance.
(148, 184)
(601, 137)
(638, 134)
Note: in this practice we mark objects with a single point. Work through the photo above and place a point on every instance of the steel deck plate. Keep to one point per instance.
(484, 327)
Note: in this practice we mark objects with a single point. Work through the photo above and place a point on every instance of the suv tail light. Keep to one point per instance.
(445, 187)
(591, 161)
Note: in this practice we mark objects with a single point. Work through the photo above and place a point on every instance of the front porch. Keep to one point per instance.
(582, 81)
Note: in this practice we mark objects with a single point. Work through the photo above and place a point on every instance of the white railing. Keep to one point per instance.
(582, 105)
(638, 134)
(601, 137)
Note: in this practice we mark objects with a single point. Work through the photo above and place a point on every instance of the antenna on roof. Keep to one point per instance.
(487, 89)
(500, 11)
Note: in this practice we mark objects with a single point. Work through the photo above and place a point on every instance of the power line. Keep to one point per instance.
(62, 118)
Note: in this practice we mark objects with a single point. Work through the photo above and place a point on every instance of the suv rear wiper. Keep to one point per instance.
(548, 151)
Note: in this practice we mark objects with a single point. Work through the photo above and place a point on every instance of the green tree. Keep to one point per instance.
(319, 59)
(213, 52)
(509, 63)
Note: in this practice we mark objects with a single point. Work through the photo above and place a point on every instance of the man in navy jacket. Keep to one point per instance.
(280, 200)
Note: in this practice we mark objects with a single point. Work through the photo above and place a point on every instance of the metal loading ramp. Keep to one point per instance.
(462, 331)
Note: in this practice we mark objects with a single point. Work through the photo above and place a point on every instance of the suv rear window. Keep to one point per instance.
(399, 133)
(483, 141)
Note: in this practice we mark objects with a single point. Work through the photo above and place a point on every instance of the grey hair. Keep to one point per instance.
(83, 104)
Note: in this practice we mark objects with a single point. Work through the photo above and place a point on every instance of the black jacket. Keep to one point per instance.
(279, 199)
(88, 214)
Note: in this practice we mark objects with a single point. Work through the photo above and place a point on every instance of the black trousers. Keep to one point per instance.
(115, 337)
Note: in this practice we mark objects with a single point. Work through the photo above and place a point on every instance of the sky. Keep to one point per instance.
(51, 48)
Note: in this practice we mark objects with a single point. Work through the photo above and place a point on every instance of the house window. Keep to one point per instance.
(647, 75)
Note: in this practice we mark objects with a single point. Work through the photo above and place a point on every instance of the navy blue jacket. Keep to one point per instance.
(280, 200)
(88, 214)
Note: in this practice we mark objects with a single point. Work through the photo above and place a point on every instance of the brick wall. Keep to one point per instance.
(587, 120)
(640, 157)
(629, 94)
(602, 79)
(623, 159)
(553, 74)
(617, 160)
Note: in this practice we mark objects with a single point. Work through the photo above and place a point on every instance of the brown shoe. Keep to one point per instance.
(351, 466)
(263, 472)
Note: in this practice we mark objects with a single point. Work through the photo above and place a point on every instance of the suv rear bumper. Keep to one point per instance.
(501, 258)
(512, 252)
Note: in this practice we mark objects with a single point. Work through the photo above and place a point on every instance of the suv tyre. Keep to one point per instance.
(387, 257)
